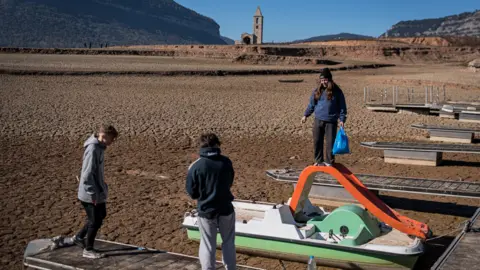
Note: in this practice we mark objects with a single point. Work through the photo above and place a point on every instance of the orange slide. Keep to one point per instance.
(361, 193)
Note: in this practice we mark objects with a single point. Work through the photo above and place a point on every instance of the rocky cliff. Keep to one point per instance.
(464, 24)
(61, 23)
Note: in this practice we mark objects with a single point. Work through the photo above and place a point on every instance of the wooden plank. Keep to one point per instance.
(418, 155)
(411, 161)
(452, 140)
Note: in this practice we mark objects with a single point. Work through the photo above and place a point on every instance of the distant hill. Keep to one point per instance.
(67, 23)
(229, 41)
(341, 36)
(464, 24)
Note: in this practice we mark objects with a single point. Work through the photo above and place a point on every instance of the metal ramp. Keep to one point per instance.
(330, 187)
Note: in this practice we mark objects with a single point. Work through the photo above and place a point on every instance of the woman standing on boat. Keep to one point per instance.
(328, 103)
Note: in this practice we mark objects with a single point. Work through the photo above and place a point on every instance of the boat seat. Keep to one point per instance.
(307, 230)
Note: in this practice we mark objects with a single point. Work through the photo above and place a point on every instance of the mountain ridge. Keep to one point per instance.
(463, 24)
(57, 23)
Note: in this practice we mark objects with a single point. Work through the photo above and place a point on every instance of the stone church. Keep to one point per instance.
(257, 36)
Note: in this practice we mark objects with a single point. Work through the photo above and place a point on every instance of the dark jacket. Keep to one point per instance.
(328, 110)
(209, 180)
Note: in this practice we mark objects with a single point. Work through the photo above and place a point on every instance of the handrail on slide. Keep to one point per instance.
(361, 193)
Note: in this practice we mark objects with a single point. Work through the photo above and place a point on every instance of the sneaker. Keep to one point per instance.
(60, 241)
(79, 242)
(92, 254)
(327, 164)
(318, 164)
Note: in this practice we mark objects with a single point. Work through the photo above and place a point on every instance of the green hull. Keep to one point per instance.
(326, 256)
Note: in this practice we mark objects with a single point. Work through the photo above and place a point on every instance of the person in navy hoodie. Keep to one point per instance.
(328, 103)
(209, 180)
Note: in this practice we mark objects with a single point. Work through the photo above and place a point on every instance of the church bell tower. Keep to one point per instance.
(258, 27)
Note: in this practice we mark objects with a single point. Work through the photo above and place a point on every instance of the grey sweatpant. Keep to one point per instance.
(208, 241)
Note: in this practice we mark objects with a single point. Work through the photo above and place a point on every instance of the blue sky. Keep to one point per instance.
(286, 21)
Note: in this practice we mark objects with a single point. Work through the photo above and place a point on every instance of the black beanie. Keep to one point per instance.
(325, 73)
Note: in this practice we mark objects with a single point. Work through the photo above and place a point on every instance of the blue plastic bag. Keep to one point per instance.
(340, 146)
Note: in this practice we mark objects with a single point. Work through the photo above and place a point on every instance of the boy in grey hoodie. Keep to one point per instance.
(92, 190)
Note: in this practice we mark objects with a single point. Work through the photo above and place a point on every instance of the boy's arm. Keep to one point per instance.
(89, 169)
(192, 185)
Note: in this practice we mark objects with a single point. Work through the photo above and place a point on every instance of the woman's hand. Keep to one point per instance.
(304, 119)
(341, 124)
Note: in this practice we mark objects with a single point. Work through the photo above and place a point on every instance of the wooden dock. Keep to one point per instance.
(426, 154)
(117, 256)
(469, 116)
(463, 253)
(449, 134)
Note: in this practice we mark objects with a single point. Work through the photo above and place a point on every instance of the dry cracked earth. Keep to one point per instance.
(45, 120)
